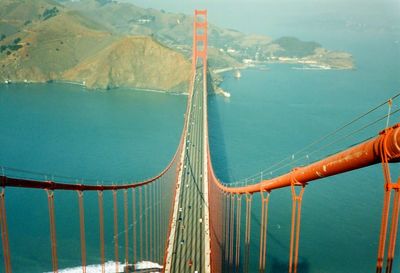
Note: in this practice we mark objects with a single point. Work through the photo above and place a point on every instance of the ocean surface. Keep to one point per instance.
(128, 135)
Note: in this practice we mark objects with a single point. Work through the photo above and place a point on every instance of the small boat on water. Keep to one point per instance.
(237, 75)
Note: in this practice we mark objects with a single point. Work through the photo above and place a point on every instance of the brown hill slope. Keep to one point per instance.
(66, 46)
(133, 61)
(48, 48)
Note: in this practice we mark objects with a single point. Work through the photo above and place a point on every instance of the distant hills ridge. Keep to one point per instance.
(107, 44)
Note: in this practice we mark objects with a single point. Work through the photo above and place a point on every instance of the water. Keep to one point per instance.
(282, 110)
(119, 135)
(341, 214)
(129, 135)
(119, 130)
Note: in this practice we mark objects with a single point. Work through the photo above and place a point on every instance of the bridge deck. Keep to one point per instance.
(188, 249)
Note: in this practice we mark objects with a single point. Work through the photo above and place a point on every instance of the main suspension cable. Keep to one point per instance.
(278, 165)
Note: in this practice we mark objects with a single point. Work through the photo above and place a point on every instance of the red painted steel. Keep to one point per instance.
(146, 220)
(50, 198)
(134, 226)
(116, 230)
(363, 155)
(150, 213)
(247, 234)
(263, 231)
(393, 231)
(238, 233)
(126, 220)
(101, 228)
(389, 187)
(4, 233)
(141, 224)
(295, 228)
(82, 229)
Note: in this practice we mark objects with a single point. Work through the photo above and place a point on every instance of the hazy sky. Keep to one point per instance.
(280, 17)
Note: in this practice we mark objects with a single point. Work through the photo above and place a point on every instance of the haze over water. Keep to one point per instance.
(125, 134)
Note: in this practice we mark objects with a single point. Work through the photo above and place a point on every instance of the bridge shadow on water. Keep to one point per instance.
(219, 157)
(277, 265)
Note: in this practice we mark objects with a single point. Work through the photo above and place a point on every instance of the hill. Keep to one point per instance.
(61, 44)
(101, 43)
(133, 61)
(293, 47)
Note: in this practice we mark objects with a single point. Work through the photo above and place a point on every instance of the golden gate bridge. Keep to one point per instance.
(187, 219)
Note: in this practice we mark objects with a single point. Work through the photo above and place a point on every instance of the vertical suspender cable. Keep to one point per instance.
(159, 221)
(295, 227)
(220, 218)
(263, 230)
(390, 102)
(389, 186)
(231, 230)
(247, 234)
(296, 254)
(116, 231)
(386, 206)
(153, 225)
(383, 232)
(101, 224)
(226, 231)
(166, 210)
(158, 244)
(140, 224)
(384, 224)
(238, 223)
(82, 229)
(126, 219)
(4, 232)
(50, 198)
(162, 215)
(292, 231)
(156, 226)
(160, 230)
(154, 214)
(393, 230)
(134, 227)
(146, 207)
(150, 211)
(155, 218)
(223, 236)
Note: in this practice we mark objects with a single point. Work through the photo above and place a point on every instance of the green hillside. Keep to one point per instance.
(293, 47)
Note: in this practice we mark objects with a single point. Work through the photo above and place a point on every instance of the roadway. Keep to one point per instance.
(188, 244)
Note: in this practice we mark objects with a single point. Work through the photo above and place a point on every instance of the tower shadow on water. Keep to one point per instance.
(216, 137)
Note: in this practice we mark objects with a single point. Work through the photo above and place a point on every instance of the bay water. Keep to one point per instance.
(128, 135)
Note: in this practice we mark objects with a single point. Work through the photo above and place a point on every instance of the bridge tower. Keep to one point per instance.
(200, 41)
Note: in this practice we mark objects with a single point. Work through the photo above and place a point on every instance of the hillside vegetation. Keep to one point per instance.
(62, 44)
(146, 61)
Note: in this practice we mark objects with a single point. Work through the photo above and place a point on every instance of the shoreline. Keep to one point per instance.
(262, 66)
(216, 81)
(138, 89)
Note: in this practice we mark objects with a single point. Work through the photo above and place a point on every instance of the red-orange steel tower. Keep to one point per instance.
(200, 41)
